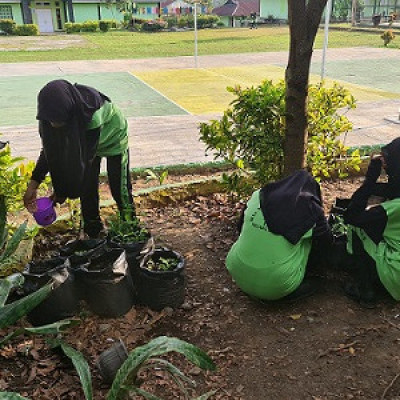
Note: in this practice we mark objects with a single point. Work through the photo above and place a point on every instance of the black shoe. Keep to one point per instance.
(366, 298)
(307, 288)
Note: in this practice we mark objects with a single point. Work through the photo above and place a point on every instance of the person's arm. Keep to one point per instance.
(372, 221)
(41, 169)
(38, 175)
(322, 233)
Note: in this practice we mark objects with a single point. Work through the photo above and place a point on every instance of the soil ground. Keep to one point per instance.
(322, 348)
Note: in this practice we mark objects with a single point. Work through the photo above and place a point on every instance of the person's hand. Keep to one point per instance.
(374, 168)
(30, 196)
(57, 199)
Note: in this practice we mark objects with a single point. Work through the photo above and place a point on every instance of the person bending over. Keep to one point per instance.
(79, 125)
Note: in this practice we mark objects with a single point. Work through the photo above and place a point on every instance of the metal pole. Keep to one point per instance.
(326, 31)
(195, 35)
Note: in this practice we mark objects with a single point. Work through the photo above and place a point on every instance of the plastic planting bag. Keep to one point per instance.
(158, 288)
(63, 302)
(79, 251)
(134, 252)
(106, 284)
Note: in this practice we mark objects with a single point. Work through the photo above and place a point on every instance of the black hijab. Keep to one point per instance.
(291, 206)
(69, 149)
(391, 154)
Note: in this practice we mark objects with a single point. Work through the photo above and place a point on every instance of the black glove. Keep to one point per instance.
(374, 170)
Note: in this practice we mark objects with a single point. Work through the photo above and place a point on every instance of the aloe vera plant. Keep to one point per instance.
(126, 380)
(143, 358)
(12, 312)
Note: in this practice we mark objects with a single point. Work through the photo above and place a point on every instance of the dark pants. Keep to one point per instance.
(121, 191)
(364, 271)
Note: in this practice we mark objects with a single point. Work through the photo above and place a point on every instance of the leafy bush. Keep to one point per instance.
(171, 20)
(90, 26)
(182, 22)
(26, 30)
(207, 21)
(387, 37)
(13, 178)
(220, 24)
(72, 27)
(250, 134)
(7, 26)
(154, 25)
(326, 154)
(105, 25)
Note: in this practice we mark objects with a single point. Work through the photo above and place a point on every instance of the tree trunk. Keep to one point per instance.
(304, 20)
(353, 12)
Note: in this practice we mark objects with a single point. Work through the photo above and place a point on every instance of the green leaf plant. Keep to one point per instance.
(126, 230)
(153, 175)
(250, 135)
(13, 178)
(126, 382)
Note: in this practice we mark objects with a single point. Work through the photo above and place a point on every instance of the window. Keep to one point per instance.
(6, 12)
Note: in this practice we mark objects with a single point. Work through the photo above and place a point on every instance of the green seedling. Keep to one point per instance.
(162, 264)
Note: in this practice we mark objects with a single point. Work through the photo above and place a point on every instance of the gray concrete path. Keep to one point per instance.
(179, 140)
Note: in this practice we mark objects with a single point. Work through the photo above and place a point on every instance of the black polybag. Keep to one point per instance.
(160, 289)
(63, 301)
(106, 284)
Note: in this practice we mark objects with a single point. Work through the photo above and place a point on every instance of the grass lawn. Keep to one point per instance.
(121, 44)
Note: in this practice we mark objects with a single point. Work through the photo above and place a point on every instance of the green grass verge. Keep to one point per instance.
(122, 44)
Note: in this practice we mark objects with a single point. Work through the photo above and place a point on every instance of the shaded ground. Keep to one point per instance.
(325, 347)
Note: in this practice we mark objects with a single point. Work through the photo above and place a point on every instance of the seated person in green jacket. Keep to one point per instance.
(374, 232)
(282, 222)
(79, 125)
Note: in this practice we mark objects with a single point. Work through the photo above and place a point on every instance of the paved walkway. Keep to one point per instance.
(179, 140)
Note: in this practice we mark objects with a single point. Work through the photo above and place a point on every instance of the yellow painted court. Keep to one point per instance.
(203, 91)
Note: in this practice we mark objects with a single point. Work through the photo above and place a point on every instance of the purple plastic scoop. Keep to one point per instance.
(45, 213)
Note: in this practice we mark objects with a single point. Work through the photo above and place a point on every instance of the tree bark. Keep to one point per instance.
(304, 20)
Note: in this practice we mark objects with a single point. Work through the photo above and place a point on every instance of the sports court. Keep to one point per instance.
(201, 91)
(165, 99)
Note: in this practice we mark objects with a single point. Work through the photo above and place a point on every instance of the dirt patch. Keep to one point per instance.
(325, 347)
(43, 42)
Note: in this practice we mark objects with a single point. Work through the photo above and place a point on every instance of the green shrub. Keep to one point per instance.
(220, 24)
(182, 22)
(26, 30)
(90, 26)
(206, 21)
(171, 21)
(72, 27)
(105, 25)
(154, 25)
(387, 37)
(250, 135)
(7, 26)
(190, 21)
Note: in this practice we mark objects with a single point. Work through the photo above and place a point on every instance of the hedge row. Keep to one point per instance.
(90, 26)
(9, 27)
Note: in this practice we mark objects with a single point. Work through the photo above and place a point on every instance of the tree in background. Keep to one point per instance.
(304, 19)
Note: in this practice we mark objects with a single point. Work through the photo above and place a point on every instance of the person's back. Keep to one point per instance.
(263, 264)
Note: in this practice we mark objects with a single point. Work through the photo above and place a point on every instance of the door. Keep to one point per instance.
(45, 20)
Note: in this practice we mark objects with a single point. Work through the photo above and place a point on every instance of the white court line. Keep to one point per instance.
(161, 94)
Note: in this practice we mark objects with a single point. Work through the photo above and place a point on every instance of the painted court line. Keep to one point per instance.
(161, 94)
